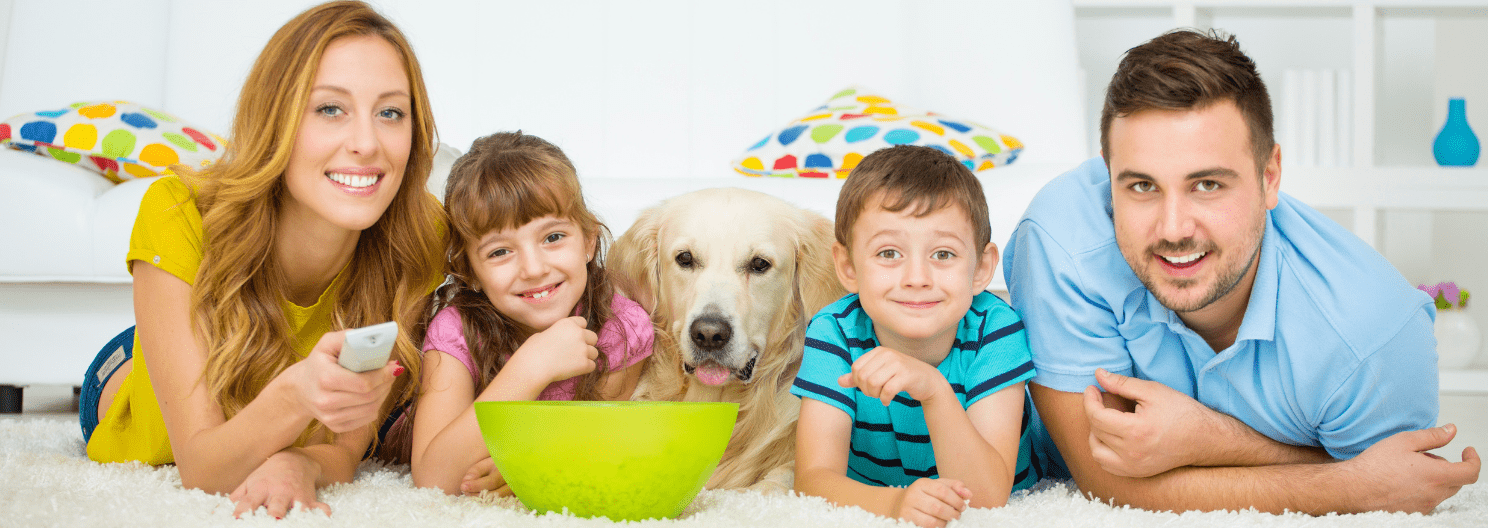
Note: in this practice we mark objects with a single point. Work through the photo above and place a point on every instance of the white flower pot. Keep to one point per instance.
(1457, 339)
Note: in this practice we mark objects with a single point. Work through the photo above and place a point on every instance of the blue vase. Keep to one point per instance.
(1455, 145)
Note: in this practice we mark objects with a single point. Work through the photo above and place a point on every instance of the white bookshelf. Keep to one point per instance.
(1393, 207)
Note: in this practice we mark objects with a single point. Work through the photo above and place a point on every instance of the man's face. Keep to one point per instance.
(1189, 206)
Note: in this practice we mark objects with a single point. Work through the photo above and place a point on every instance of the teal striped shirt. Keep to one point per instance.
(891, 445)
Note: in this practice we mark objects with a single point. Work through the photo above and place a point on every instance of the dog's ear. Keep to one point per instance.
(632, 259)
(815, 275)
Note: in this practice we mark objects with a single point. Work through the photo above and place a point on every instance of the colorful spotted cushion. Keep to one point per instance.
(834, 137)
(118, 139)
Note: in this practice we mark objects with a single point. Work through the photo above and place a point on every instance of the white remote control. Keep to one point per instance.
(367, 348)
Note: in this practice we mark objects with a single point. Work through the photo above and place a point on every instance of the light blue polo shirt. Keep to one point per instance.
(1336, 349)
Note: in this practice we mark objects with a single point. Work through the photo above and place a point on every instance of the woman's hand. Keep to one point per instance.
(564, 350)
(285, 480)
(341, 399)
(484, 477)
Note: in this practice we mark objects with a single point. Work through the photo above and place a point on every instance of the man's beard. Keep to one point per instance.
(1227, 280)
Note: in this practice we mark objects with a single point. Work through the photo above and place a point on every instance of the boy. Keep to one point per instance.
(916, 378)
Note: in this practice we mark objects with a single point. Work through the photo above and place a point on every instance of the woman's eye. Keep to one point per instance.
(889, 254)
(393, 114)
(759, 265)
(943, 255)
(684, 259)
(554, 237)
(329, 110)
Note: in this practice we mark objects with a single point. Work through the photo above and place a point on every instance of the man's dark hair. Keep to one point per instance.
(1185, 69)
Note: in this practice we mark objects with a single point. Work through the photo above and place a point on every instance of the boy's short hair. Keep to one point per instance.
(908, 175)
(1186, 69)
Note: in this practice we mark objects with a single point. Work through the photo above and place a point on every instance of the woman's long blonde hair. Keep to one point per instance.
(238, 297)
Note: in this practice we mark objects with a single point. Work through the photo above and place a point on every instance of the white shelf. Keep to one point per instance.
(1274, 4)
(1433, 188)
(1471, 381)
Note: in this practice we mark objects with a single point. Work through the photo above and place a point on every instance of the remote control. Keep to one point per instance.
(367, 348)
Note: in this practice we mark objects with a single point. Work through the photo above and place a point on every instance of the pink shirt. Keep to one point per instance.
(446, 335)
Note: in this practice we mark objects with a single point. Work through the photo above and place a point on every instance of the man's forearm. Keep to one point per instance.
(1308, 488)
(1240, 445)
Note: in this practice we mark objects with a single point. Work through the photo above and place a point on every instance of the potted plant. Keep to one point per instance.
(1457, 334)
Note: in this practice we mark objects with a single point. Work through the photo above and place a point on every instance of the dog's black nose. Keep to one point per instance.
(710, 332)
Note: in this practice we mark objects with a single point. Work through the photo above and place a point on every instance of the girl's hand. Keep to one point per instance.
(563, 351)
(884, 372)
(484, 477)
(932, 503)
(341, 399)
(285, 480)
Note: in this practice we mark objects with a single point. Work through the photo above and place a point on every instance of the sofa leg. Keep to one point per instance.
(10, 399)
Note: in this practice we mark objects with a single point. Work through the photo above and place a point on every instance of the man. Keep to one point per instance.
(1252, 352)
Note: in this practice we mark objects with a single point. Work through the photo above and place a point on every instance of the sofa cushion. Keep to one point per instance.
(832, 138)
(118, 139)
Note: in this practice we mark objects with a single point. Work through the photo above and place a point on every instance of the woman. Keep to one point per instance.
(315, 219)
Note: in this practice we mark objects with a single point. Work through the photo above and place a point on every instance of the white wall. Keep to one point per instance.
(671, 88)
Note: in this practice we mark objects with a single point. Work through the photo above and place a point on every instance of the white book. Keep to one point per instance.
(1287, 132)
(1345, 118)
(1307, 133)
(1327, 121)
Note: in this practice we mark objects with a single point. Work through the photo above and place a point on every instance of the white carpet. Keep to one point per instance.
(45, 480)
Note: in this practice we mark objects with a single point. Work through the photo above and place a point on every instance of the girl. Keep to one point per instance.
(527, 284)
(315, 220)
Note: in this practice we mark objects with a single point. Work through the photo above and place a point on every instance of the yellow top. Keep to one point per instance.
(168, 235)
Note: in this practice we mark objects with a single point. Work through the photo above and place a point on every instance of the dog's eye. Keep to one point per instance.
(759, 265)
(684, 259)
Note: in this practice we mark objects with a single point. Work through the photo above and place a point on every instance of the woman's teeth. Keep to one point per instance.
(1186, 258)
(352, 180)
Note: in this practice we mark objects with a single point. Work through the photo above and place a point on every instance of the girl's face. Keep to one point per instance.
(354, 138)
(533, 274)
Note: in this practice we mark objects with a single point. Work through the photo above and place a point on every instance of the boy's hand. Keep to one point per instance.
(884, 372)
(932, 503)
(563, 351)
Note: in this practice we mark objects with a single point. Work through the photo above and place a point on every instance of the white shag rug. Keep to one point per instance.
(46, 480)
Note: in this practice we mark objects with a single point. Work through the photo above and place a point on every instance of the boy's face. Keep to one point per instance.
(914, 276)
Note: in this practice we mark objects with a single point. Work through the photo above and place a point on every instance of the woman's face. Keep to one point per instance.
(354, 138)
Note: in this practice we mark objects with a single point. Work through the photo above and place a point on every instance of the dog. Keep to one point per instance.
(731, 277)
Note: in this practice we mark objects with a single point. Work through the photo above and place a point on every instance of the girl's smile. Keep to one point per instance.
(527, 271)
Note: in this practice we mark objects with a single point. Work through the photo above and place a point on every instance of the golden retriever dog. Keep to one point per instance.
(731, 277)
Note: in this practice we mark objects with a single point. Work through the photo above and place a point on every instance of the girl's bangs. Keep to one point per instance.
(498, 204)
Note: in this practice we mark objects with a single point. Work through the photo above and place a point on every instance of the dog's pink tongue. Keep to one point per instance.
(713, 374)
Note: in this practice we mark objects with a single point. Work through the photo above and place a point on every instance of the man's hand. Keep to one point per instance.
(1168, 429)
(1398, 475)
(931, 503)
(884, 372)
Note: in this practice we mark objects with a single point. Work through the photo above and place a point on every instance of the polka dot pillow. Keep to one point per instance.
(834, 137)
(118, 139)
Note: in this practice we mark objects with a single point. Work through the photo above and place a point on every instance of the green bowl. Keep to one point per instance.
(622, 460)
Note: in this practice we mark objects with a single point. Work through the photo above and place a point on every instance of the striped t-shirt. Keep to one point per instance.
(891, 445)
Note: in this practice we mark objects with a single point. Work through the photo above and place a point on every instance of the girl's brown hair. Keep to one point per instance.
(237, 299)
(507, 180)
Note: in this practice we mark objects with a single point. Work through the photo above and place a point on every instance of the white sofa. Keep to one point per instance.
(650, 99)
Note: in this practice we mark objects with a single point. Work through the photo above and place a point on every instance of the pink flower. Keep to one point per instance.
(1450, 292)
